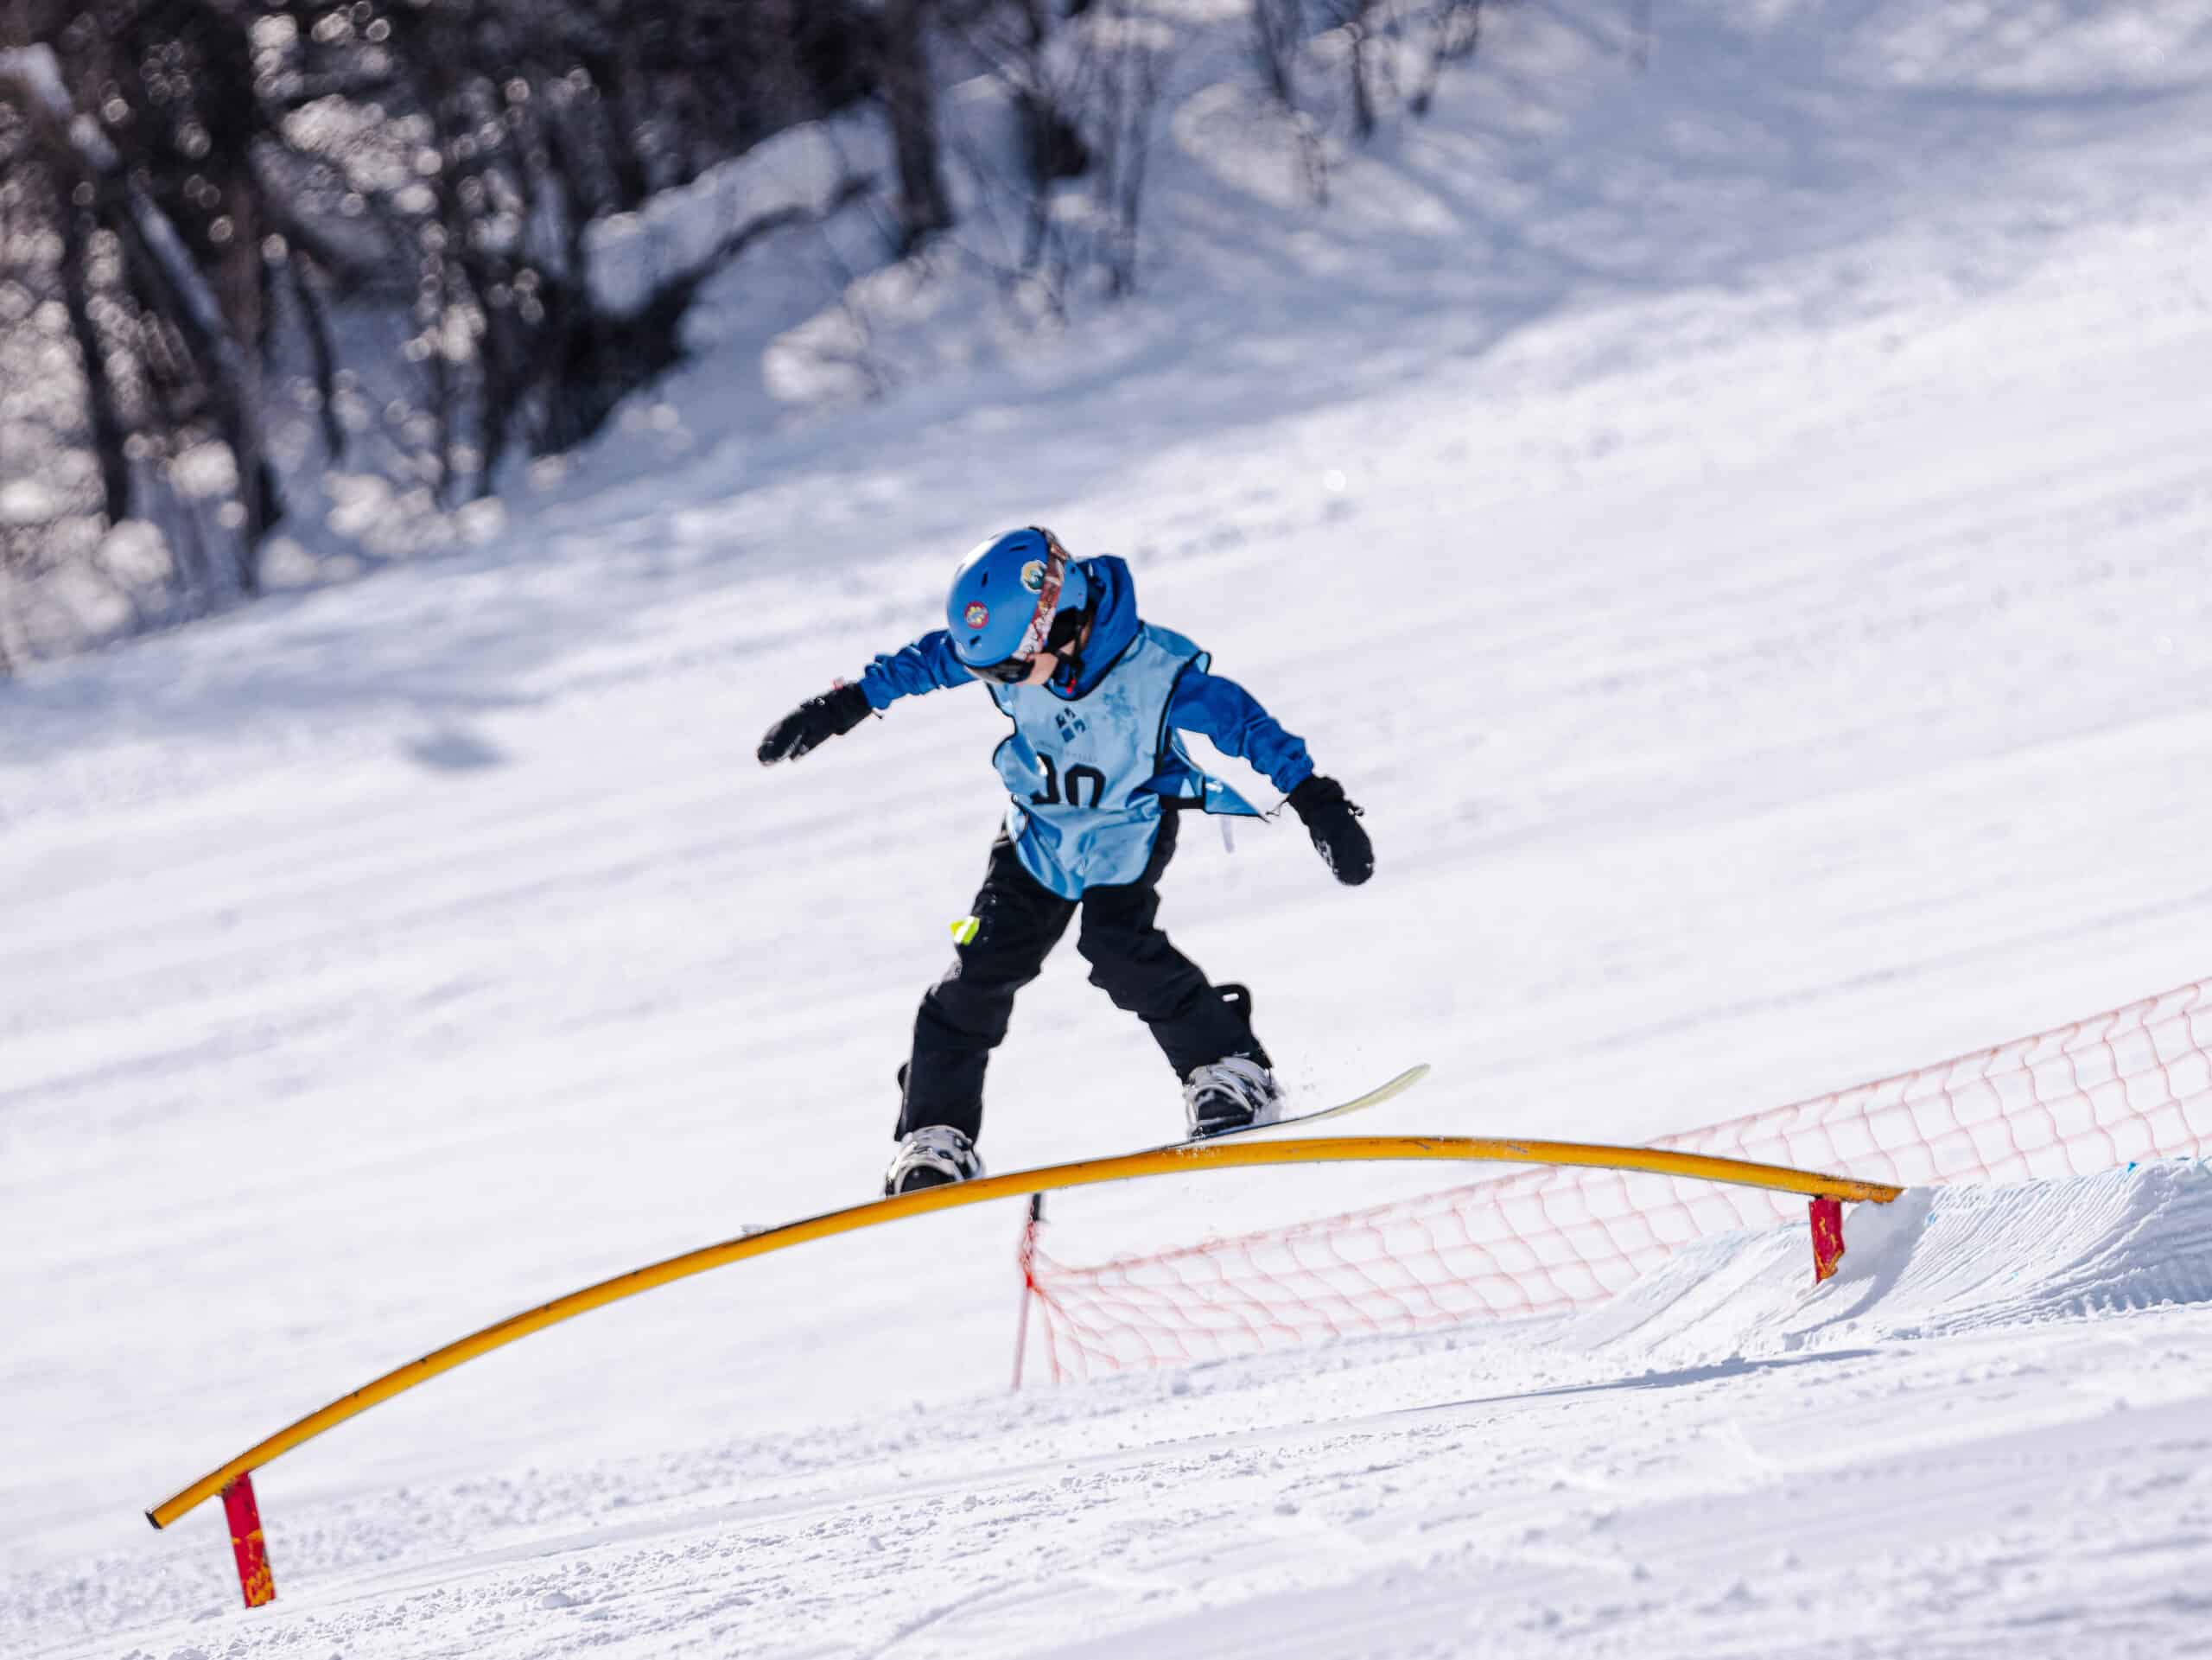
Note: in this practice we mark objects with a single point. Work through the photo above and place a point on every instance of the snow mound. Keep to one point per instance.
(799, 174)
(1938, 1261)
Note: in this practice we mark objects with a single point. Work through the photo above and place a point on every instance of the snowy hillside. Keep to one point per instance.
(1740, 529)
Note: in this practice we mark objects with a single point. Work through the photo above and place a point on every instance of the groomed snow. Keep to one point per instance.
(1740, 529)
(1989, 1430)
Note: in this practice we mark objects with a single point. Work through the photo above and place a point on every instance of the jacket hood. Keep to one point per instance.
(1114, 622)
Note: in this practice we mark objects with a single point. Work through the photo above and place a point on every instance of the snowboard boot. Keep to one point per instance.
(929, 1157)
(1236, 1093)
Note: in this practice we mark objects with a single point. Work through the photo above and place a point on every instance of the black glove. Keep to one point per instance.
(1333, 823)
(813, 723)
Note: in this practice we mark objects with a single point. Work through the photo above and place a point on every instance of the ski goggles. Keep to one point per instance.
(1060, 643)
(1008, 671)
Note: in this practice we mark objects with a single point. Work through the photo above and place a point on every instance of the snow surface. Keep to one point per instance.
(1741, 530)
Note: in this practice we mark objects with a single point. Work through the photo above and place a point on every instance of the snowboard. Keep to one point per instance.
(1374, 1098)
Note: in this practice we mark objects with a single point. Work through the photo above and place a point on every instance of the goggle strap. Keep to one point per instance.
(1048, 598)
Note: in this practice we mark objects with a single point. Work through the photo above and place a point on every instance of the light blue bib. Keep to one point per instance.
(1088, 774)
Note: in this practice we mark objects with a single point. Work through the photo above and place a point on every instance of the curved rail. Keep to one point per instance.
(1159, 1161)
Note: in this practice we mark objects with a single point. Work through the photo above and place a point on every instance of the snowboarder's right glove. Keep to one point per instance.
(1333, 823)
(814, 723)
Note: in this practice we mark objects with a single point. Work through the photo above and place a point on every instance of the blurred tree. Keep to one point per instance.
(142, 141)
(1048, 71)
(1455, 30)
(909, 100)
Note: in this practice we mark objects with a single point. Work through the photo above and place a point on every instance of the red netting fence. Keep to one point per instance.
(2132, 1085)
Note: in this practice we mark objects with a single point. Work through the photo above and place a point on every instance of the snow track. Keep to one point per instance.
(1586, 1484)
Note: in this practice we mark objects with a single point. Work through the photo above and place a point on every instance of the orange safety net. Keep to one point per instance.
(2132, 1085)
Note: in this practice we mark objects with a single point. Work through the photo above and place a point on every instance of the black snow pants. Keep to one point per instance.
(1018, 920)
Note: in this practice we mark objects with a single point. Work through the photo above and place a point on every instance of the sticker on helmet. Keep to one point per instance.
(978, 614)
(1032, 576)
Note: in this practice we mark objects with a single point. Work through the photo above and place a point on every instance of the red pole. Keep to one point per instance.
(254, 1577)
(1027, 1257)
(1827, 1238)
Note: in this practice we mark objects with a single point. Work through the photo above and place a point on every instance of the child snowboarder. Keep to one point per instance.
(1097, 777)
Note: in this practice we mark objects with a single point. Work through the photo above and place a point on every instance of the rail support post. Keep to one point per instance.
(254, 1577)
(1028, 1261)
(1827, 1238)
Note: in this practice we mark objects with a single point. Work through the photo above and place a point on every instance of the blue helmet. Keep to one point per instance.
(1005, 594)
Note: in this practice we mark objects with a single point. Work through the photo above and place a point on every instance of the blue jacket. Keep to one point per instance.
(1063, 845)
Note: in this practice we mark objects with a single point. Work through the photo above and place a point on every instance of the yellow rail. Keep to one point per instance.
(1161, 1161)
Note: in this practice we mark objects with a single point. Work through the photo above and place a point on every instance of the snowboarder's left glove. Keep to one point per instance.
(814, 723)
(1333, 823)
